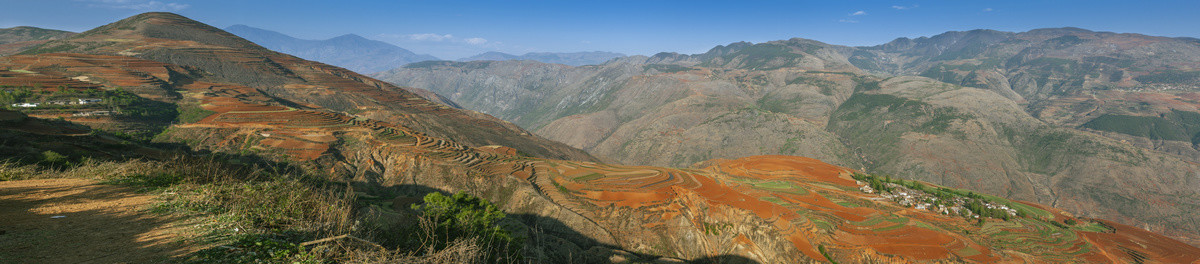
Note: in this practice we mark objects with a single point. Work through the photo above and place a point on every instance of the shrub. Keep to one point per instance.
(151, 181)
(257, 249)
(52, 158)
(460, 216)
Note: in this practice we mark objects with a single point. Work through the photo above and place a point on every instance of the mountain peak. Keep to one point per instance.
(1058, 31)
(347, 37)
(152, 26)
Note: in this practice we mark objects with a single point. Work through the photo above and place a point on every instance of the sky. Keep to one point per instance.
(452, 29)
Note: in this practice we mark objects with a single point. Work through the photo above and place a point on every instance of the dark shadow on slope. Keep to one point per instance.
(549, 240)
(724, 259)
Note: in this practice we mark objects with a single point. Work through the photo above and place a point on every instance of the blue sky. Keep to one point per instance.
(453, 29)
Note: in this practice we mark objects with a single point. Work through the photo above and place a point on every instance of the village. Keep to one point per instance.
(72, 102)
(79, 101)
(919, 196)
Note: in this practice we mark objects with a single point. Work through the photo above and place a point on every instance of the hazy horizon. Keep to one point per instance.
(458, 29)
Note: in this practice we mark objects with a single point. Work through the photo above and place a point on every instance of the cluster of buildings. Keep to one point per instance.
(80, 101)
(924, 201)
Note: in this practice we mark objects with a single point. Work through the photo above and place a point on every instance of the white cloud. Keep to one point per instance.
(476, 41)
(859, 13)
(989, 9)
(848, 21)
(900, 7)
(429, 37)
(139, 5)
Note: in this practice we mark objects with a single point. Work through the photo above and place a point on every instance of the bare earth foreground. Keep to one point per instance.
(100, 224)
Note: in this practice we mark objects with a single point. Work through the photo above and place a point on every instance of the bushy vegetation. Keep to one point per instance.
(462, 216)
(666, 68)
(123, 103)
(134, 106)
(975, 204)
(825, 86)
(1171, 77)
(48, 49)
(12, 95)
(761, 57)
(1176, 125)
(192, 113)
(970, 50)
(920, 116)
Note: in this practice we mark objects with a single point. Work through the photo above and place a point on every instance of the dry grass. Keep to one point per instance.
(235, 208)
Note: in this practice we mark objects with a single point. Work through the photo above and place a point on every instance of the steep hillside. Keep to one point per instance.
(635, 112)
(565, 58)
(349, 51)
(210, 55)
(802, 97)
(1069, 77)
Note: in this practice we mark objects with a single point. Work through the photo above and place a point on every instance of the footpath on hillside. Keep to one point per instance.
(82, 221)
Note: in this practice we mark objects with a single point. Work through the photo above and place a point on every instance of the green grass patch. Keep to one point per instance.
(192, 113)
(666, 68)
(847, 204)
(826, 254)
(924, 225)
(589, 177)
(148, 182)
(870, 221)
(774, 200)
(968, 251)
(776, 186)
(1092, 227)
(888, 228)
(822, 224)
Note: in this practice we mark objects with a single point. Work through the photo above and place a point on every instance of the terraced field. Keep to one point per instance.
(771, 209)
(812, 204)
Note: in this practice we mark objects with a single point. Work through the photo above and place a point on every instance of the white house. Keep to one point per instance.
(25, 105)
(89, 100)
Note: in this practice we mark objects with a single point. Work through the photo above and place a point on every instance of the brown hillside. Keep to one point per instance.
(225, 58)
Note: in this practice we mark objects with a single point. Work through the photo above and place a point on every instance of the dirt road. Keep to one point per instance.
(81, 221)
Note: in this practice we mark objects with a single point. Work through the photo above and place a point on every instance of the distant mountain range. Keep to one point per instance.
(348, 51)
(571, 58)
(1101, 124)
